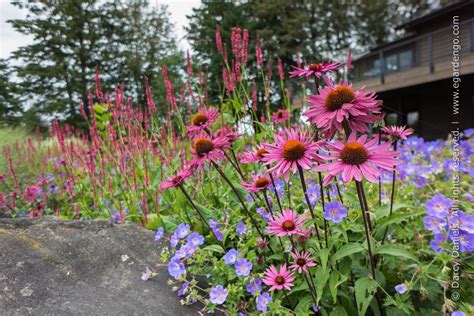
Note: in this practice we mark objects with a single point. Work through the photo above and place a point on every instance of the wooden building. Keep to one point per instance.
(417, 75)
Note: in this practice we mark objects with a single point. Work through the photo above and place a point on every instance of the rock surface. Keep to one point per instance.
(50, 266)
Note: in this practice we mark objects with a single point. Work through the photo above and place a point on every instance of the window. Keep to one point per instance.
(412, 119)
(391, 63)
(406, 59)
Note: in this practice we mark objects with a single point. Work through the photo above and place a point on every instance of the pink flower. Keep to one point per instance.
(301, 261)
(292, 149)
(278, 280)
(280, 116)
(31, 193)
(179, 178)
(228, 132)
(286, 223)
(202, 121)
(204, 147)
(315, 69)
(398, 131)
(255, 156)
(358, 159)
(338, 102)
(257, 184)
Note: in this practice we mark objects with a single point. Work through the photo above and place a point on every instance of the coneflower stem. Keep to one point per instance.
(200, 215)
(274, 187)
(360, 193)
(303, 184)
(380, 178)
(339, 193)
(254, 222)
(311, 285)
(271, 213)
(321, 192)
(392, 195)
(288, 299)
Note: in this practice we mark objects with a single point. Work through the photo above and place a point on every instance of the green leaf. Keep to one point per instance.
(323, 255)
(304, 305)
(338, 311)
(320, 279)
(365, 289)
(396, 251)
(385, 209)
(347, 250)
(335, 280)
(214, 248)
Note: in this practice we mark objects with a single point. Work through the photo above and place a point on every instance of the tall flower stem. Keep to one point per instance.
(181, 187)
(271, 213)
(303, 184)
(254, 222)
(274, 187)
(392, 194)
(321, 188)
(339, 192)
(287, 298)
(309, 280)
(363, 206)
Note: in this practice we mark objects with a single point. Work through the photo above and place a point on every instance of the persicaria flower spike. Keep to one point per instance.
(286, 223)
(291, 150)
(278, 279)
(338, 102)
(357, 159)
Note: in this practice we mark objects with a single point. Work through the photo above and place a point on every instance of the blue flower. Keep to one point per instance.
(254, 286)
(182, 231)
(185, 251)
(159, 233)
(401, 288)
(147, 274)
(195, 239)
(458, 313)
(436, 242)
(176, 268)
(174, 240)
(183, 289)
(313, 194)
(241, 229)
(435, 224)
(218, 294)
(334, 211)
(438, 206)
(261, 211)
(231, 256)
(243, 267)
(262, 301)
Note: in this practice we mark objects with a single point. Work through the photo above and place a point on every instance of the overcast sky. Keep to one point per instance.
(11, 40)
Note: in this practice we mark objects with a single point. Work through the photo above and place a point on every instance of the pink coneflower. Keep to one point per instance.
(301, 261)
(257, 184)
(278, 280)
(358, 159)
(338, 102)
(292, 149)
(286, 223)
(204, 147)
(315, 69)
(202, 120)
(229, 133)
(400, 132)
(256, 155)
(280, 116)
(179, 178)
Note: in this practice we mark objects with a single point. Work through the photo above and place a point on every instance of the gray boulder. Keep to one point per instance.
(50, 266)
